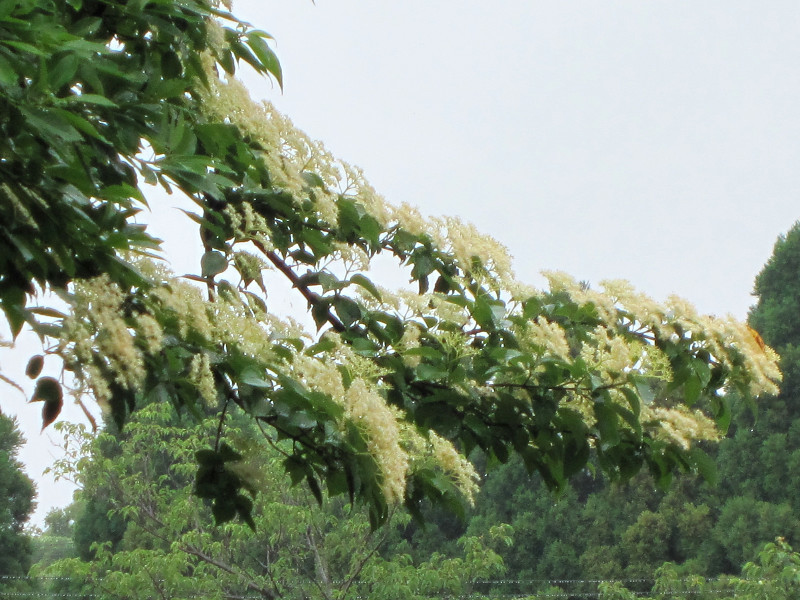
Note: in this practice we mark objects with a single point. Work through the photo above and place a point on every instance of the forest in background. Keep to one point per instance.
(136, 529)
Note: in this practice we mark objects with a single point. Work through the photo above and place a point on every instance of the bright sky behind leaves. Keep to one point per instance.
(652, 141)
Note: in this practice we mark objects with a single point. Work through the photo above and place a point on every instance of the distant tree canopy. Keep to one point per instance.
(777, 287)
(777, 313)
(151, 537)
(394, 388)
(16, 503)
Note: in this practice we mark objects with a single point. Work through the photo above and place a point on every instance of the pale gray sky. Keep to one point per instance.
(652, 141)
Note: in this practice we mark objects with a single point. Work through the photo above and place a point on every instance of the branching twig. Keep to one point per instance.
(249, 583)
(156, 584)
(312, 298)
(362, 563)
(13, 384)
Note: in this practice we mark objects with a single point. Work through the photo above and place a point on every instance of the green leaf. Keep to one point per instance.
(607, 424)
(25, 47)
(296, 469)
(244, 508)
(427, 352)
(252, 377)
(326, 344)
(213, 263)
(268, 58)
(367, 284)
(8, 76)
(47, 312)
(95, 99)
(312, 179)
(364, 347)
(302, 420)
(313, 485)
(426, 372)
(692, 388)
(48, 390)
(319, 312)
(722, 412)
(51, 125)
(704, 465)
(488, 313)
(228, 454)
(646, 392)
(330, 282)
(223, 509)
(348, 310)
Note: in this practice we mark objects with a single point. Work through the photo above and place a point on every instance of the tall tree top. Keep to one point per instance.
(776, 315)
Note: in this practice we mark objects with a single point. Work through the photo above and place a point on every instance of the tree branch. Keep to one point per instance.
(325, 584)
(362, 563)
(311, 297)
(198, 553)
(156, 584)
(249, 583)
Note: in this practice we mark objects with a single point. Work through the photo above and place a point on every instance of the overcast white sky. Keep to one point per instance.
(653, 141)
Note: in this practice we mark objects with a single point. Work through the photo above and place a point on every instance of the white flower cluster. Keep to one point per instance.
(621, 345)
(290, 154)
(727, 340)
(547, 337)
(432, 451)
(681, 425)
(98, 342)
(367, 409)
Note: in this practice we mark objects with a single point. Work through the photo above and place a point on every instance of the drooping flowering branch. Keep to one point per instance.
(394, 388)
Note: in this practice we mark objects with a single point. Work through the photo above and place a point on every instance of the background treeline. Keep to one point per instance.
(136, 530)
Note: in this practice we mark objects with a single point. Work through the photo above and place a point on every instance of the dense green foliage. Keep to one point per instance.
(606, 540)
(708, 541)
(84, 86)
(215, 404)
(100, 97)
(154, 540)
(626, 532)
(16, 503)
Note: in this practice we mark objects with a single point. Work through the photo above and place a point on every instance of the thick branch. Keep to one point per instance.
(312, 298)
